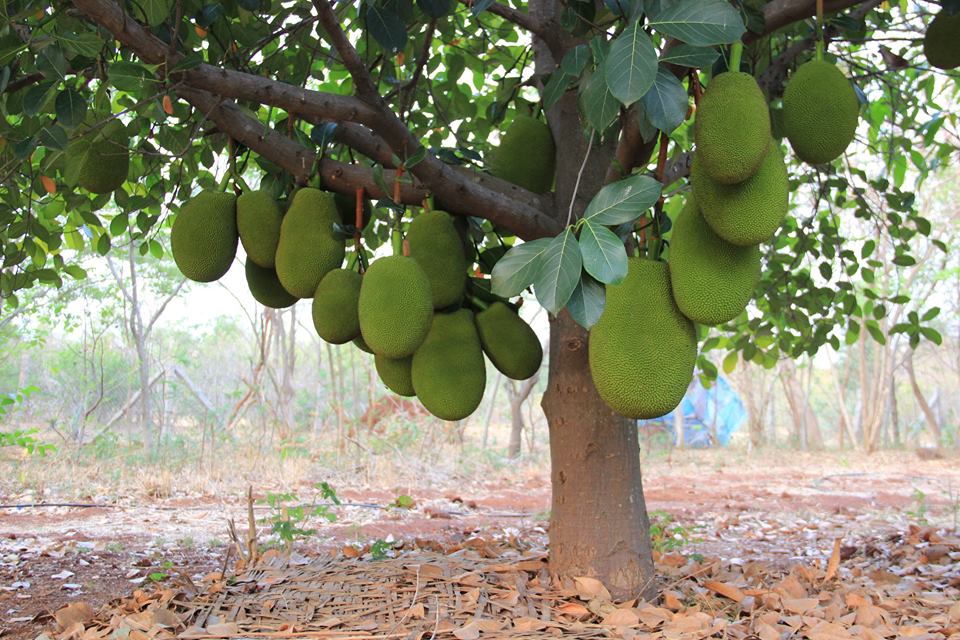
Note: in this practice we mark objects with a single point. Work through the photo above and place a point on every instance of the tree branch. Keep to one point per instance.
(519, 18)
(780, 13)
(458, 190)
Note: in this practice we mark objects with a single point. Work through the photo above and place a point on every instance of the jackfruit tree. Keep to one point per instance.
(674, 181)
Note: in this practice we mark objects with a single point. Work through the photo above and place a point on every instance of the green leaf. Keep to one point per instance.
(556, 86)
(730, 362)
(36, 98)
(587, 302)
(904, 260)
(575, 60)
(435, 8)
(631, 65)
(687, 55)
(559, 272)
(599, 105)
(874, 329)
(153, 12)
(128, 76)
(867, 248)
(932, 335)
(517, 270)
(71, 107)
(119, 225)
(930, 314)
(387, 28)
(666, 103)
(623, 201)
(604, 256)
(103, 244)
(86, 44)
(701, 23)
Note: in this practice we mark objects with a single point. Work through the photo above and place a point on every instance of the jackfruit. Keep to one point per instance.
(266, 288)
(395, 373)
(360, 344)
(102, 162)
(820, 112)
(527, 155)
(747, 213)
(204, 237)
(712, 280)
(335, 306)
(258, 221)
(435, 245)
(308, 248)
(395, 306)
(346, 207)
(941, 43)
(732, 128)
(509, 342)
(449, 372)
(642, 350)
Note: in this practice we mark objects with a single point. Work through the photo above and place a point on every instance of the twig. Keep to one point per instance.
(576, 186)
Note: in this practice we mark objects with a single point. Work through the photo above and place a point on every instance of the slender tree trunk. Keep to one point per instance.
(517, 398)
(598, 524)
(925, 407)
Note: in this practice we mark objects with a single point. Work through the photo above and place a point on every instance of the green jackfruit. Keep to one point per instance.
(395, 306)
(308, 248)
(435, 245)
(820, 112)
(258, 221)
(941, 43)
(396, 374)
(642, 350)
(266, 288)
(335, 306)
(346, 207)
(360, 344)
(509, 342)
(712, 280)
(101, 162)
(449, 372)
(747, 213)
(732, 127)
(204, 237)
(527, 155)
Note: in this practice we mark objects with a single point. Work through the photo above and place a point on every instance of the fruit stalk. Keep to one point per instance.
(736, 53)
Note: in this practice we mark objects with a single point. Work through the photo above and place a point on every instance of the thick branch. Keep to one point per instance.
(519, 18)
(780, 13)
(452, 188)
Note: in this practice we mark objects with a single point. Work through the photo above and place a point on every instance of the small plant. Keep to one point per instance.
(667, 535)
(919, 512)
(288, 517)
(403, 502)
(379, 549)
(26, 440)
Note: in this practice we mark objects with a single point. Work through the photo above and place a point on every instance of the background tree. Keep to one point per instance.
(401, 98)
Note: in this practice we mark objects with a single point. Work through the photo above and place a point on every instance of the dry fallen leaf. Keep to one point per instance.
(724, 589)
(621, 618)
(468, 632)
(77, 612)
(591, 589)
(834, 562)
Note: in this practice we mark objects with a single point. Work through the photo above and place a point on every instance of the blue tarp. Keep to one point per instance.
(717, 411)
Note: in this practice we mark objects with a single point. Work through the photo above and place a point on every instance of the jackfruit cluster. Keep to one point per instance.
(448, 370)
(265, 287)
(335, 301)
(941, 42)
(732, 128)
(712, 280)
(204, 236)
(308, 247)
(527, 155)
(820, 112)
(749, 212)
(435, 245)
(509, 342)
(642, 350)
(395, 306)
(258, 221)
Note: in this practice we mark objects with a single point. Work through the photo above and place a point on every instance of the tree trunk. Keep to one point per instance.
(517, 398)
(925, 407)
(598, 523)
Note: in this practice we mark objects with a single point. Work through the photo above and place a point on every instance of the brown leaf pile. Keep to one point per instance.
(903, 586)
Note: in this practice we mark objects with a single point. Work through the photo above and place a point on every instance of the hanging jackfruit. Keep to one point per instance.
(395, 306)
(941, 43)
(265, 286)
(204, 237)
(712, 280)
(526, 155)
(258, 221)
(396, 374)
(308, 247)
(509, 342)
(820, 112)
(335, 315)
(642, 350)
(435, 245)
(448, 370)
